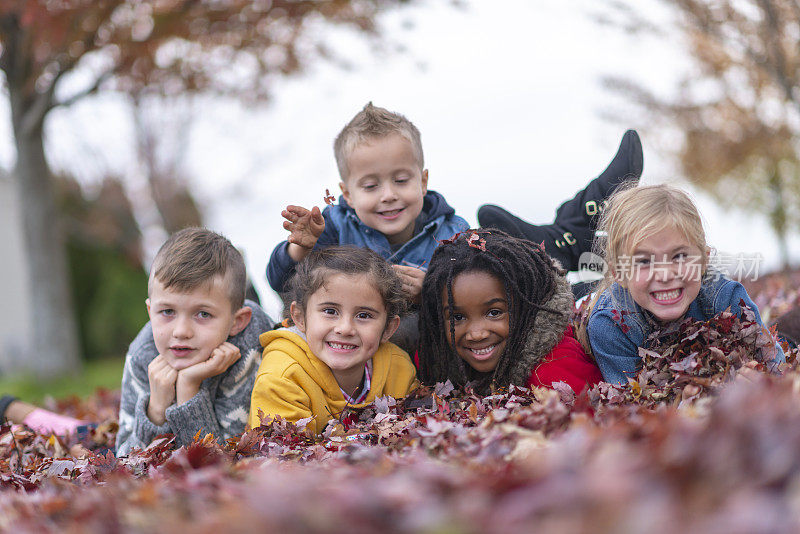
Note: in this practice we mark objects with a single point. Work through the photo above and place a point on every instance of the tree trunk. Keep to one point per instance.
(54, 347)
(778, 219)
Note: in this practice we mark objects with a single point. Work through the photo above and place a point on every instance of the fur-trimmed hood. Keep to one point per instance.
(547, 331)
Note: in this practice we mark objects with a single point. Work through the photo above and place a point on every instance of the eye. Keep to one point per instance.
(458, 317)
(328, 311)
(167, 312)
(401, 179)
(495, 312)
(204, 315)
(641, 260)
(364, 315)
(369, 187)
(680, 256)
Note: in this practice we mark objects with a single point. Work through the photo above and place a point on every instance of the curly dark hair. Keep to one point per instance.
(529, 278)
(319, 265)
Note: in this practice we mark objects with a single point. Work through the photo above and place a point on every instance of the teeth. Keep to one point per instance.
(341, 346)
(667, 295)
(481, 352)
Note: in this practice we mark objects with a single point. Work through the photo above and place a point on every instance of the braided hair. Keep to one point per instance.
(529, 278)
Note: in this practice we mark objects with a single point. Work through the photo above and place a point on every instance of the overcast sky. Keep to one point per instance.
(506, 94)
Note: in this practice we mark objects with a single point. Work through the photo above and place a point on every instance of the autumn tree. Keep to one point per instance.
(169, 47)
(737, 110)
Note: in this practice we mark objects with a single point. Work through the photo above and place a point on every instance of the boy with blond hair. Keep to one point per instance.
(386, 204)
(192, 367)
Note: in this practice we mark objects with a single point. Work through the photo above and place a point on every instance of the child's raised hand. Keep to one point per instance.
(305, 227)
(412, 281)
(162, 378)
(189, 379)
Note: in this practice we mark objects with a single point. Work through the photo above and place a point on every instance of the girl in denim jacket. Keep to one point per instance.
(658, 272)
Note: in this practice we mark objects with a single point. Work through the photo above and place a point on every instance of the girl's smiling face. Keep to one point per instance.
(480, 313)
(665, 274)
(345, 321)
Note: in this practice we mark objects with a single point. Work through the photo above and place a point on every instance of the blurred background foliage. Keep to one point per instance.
(55, 54)
(107, 274)
(736, 110)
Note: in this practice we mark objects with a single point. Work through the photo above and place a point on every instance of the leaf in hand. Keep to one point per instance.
(329, 199)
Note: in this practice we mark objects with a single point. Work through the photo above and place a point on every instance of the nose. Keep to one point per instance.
(388, 192)
(476, 331)
(182, 328)
(664, 271)
(344, 326)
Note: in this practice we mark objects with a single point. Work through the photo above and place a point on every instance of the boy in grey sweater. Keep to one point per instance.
(191, 368)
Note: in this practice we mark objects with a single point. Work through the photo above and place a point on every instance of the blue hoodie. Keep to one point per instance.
(438, 221)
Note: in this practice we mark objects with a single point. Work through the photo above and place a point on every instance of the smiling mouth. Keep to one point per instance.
(341, 347)
(484, 353)
(667, 297)
(390, 214)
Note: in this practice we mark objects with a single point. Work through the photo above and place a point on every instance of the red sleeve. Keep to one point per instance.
(567, 362)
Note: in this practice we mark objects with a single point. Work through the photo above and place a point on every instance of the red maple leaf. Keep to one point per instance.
(329, 199)
(475, 241)
(619, 317)
(449, 241)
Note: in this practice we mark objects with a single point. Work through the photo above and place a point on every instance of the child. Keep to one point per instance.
(386, 205)
(658, 272)
(496, 310)
(192, 367)
(345, 304)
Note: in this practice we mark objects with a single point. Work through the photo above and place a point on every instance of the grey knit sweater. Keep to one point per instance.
(220, 407)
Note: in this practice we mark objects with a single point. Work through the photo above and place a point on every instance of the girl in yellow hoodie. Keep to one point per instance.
(344, 304)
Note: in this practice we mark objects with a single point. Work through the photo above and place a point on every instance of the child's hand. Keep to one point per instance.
(189, 379)
(305, 227)
(162, 378)
(412, 281)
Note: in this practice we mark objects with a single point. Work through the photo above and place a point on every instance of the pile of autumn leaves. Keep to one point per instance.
(706, 440)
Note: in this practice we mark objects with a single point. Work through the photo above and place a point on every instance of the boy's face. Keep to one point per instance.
(386, 186)
(187, 327)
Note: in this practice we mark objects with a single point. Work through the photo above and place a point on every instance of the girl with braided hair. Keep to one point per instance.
(495, 311)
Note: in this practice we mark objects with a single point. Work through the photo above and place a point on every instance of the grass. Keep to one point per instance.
(105, 373)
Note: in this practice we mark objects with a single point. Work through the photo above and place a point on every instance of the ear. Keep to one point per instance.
(425, 181)
(392, 324)
(706, 261)
(345, 191)
(298, 317)
(147, 305)
(240, 320)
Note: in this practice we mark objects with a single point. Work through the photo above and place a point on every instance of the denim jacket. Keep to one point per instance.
(343, 227)
(618, 326)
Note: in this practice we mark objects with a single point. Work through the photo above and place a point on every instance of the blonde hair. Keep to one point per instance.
(370, 123)
(633, 214)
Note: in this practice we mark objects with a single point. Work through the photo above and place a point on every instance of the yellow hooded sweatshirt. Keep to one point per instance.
(295, 384)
